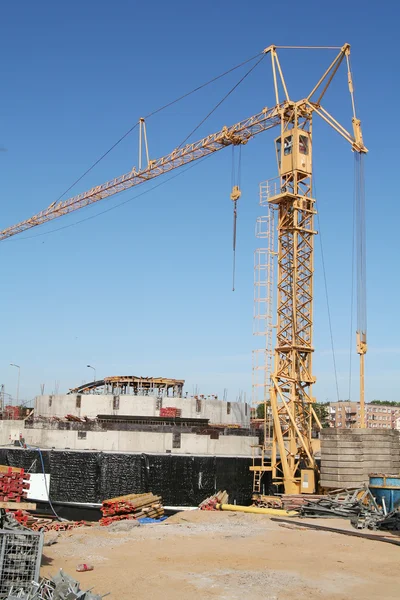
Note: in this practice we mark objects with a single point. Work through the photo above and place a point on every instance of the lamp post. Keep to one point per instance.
(90, 367)
(19, 374)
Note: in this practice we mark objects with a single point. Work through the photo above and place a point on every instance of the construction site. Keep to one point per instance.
(133, 486)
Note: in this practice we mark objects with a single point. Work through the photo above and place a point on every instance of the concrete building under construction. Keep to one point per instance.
(126, 420)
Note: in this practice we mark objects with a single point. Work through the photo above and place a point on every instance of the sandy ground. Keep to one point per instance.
(228, 556)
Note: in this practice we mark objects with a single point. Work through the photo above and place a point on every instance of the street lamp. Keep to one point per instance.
(19, 373)
(90, 367)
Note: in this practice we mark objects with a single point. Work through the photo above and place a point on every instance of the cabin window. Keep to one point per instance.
(228, 408)
(82, 435)
(78, 401)
(303, 144)
(116, 403)
(287, 145)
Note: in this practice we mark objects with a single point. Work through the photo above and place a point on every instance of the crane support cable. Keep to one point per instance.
(308, 47)
(239, 133)
(146, 191)
(222, 100)
(154, 112)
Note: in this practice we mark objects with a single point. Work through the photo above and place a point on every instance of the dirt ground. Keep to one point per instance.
(228, 556)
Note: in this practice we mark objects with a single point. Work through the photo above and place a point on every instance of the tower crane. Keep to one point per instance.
(291, 459)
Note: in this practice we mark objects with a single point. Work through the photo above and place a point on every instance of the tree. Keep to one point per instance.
(322, 412)
(385, 403)
(260, 410)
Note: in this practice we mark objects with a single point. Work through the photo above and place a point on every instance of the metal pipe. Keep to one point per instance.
(256, 510)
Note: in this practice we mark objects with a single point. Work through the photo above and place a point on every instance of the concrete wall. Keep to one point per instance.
(92, 405)
(348, 456)
(127, 441)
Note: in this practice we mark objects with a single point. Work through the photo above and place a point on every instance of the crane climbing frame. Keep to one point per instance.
(291, 458)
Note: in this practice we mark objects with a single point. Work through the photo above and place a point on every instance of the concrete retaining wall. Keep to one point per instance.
(348, 456)
(128, 441)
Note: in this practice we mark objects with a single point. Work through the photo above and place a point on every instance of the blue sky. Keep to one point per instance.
(146, 288)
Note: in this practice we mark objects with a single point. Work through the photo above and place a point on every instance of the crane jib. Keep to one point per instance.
(240, 133)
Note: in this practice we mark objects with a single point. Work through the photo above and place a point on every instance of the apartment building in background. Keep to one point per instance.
(346, 415)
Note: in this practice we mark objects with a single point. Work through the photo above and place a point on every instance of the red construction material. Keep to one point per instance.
(170, 411)
(12, 413)
(13, 484)
(131, 506)
(211, 502)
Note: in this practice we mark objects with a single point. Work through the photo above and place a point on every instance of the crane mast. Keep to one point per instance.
(292, 378)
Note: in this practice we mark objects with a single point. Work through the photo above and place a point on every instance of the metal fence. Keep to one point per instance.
(20, 557)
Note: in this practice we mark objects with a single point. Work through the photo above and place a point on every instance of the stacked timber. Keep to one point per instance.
(211, 502)
(285, 501)
(131, 506)
(14, 484)
(348, 456)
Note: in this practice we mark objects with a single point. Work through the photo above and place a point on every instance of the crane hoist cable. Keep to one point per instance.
(235, 195)
(353, 235)
(361, 335)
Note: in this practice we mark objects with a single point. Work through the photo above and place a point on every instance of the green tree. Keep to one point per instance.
(322, 412)
(385, 403)
(260, 410)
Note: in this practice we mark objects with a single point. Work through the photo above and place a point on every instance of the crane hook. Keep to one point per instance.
(235, 195)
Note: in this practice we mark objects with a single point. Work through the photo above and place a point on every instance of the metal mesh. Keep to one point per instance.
(20, 557)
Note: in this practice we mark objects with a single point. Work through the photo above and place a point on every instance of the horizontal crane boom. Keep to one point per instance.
(237, 134)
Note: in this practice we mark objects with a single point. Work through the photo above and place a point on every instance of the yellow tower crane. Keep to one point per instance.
(291, 459)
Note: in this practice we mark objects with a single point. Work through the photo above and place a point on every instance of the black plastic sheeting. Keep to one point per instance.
(95, 476)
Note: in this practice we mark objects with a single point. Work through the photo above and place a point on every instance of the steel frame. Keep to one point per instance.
(291, 396)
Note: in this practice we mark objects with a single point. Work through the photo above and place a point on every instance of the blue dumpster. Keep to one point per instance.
(385, 487)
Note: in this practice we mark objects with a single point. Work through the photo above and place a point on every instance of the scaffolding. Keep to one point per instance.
(263, 326)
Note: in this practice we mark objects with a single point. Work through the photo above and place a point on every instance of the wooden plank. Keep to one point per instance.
(18, 505)
(5, 469)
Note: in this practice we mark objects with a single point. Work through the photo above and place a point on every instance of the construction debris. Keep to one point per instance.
(211, 502)
(377, 521)
(131, 506)
(59, 587)
(26, 520)
(347, 503)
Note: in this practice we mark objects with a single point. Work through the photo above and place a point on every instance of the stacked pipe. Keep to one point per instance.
(131, 506)
(211, 502)
(13, 484)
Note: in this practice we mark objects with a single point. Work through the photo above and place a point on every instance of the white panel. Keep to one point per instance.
(37, 489)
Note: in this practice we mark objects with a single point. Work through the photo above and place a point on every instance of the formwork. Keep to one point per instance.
(20, 557)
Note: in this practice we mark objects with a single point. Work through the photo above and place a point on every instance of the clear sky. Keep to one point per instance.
(146, 288)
